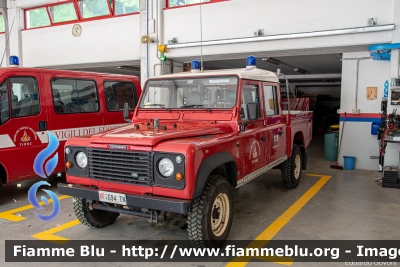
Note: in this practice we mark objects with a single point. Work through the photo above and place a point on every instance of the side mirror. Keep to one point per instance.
(126, 113)
(252, 110)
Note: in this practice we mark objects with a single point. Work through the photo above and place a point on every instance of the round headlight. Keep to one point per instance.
(166, 167)
(81, 160)
(68, 150)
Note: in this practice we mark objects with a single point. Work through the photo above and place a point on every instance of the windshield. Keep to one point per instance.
(212, 92)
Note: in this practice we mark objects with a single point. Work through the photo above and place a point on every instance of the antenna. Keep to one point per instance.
(201, 39)
(8, 39)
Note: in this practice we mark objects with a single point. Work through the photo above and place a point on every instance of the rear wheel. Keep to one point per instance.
(210, 221)
(93, 218)
(291, 169)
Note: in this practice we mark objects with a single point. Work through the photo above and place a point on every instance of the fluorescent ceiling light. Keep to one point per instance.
(300, 70)
(271, 60)
(132, 68)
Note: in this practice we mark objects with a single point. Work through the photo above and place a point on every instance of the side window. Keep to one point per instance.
(126, 6)
(119, 93)
(4, 109)
(93, 8)
(249, 94)
(270, 100)
(74, 96)
(36, 18)
(24, 97)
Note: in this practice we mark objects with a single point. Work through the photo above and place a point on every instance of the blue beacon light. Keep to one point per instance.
(195, 66)
(14, 61)
(251, 62)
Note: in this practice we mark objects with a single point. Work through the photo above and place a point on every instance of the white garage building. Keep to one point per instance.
(315, 41)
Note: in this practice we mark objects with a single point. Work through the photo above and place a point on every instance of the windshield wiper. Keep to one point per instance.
(195, 106)
(158, 105)
(191, 106)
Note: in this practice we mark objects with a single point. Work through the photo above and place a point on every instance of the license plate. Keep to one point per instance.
(110, 197)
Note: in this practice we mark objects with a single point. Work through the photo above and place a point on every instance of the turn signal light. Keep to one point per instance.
(68, 164)
(179, 176)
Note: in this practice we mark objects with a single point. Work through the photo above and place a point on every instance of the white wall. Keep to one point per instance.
(34, 3)
(357, 138)
(118, 39)
(240, 18)
(107, 40)
(2, 47)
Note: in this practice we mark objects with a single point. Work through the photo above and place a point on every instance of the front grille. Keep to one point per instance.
(121, 166)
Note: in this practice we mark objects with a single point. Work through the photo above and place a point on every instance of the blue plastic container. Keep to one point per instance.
(331, 141)
(349, 162)
(375, 128)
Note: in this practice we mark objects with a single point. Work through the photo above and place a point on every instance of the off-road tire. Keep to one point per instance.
(93, 218)
(217, 195)
(290, 170)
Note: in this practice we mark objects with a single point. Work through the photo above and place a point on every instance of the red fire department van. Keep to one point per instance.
(67, 103)
(194, 137)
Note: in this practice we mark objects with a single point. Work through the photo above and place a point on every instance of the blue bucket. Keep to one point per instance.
(349, 162)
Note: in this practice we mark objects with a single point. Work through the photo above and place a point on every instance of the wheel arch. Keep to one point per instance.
(298, 139)
(221, 163)
(3, 174)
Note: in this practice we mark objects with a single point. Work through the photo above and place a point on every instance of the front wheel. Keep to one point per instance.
(93, 218)
(291, 169)
(210, 221)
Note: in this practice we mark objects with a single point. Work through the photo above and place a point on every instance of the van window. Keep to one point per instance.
(249, 95)
(270, 100)
(4, 110)
(24, 97)
(74, 96)
(119, 93)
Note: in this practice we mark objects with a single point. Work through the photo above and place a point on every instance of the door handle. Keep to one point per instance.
(263, 138)
(42, 125)
(280, 132)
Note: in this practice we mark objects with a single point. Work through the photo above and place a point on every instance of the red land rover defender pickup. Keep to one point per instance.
(194, 137)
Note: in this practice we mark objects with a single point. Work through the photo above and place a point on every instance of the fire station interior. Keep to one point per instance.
(328, 204)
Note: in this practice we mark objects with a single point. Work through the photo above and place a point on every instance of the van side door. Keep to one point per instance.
(253, 136)
(76, 106)
(24, 122)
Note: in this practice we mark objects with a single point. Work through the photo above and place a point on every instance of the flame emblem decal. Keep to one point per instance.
(44, 154)
(49, 168)
(32, 199)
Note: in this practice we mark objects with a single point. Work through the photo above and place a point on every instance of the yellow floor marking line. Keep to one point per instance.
(49, 234)
(9, 214)
(281, 221)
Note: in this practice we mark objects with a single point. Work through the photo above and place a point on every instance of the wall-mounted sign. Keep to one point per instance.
(76, 30)
(371, 93)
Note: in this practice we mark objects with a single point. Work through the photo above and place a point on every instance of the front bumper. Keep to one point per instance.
(141, 201)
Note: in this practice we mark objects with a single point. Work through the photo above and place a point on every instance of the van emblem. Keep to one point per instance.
(117, 146)
(135, 175)
(25, 136)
